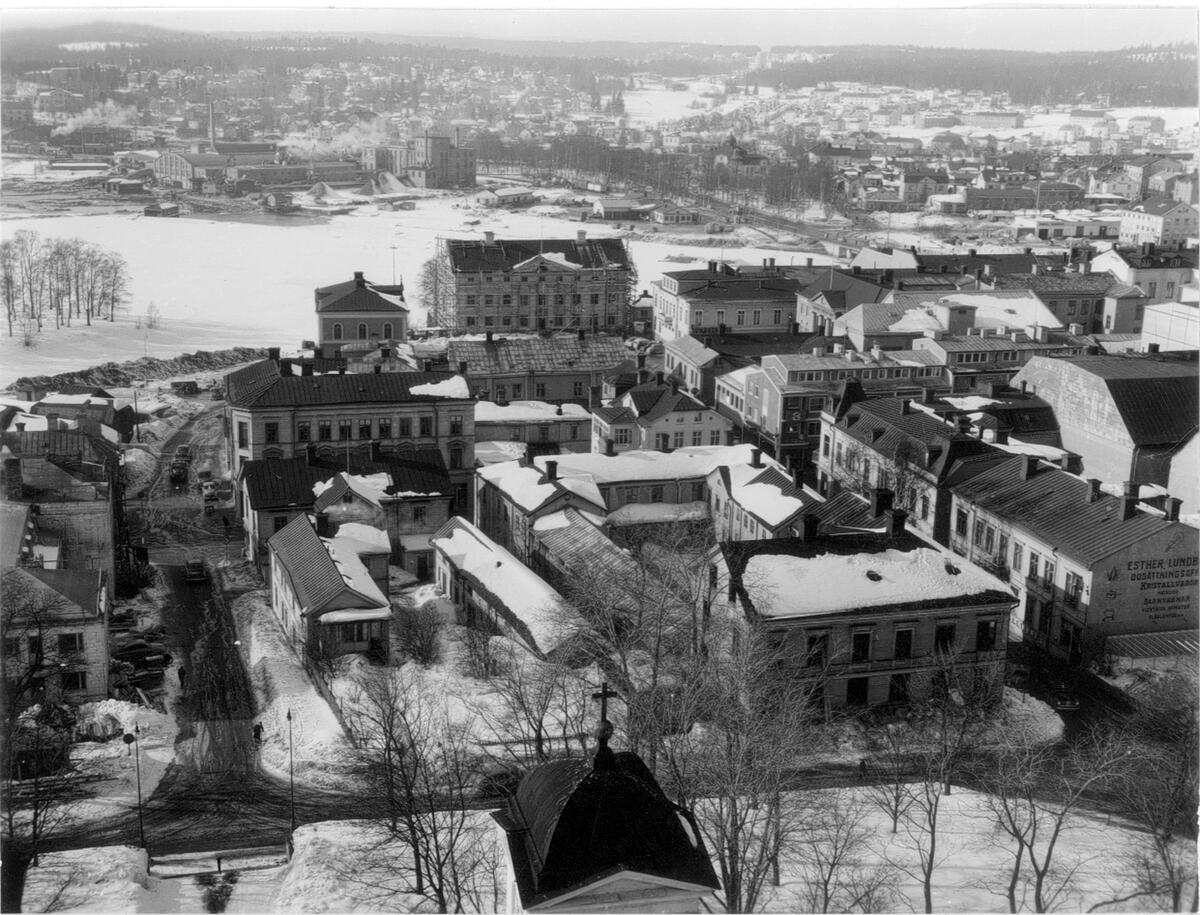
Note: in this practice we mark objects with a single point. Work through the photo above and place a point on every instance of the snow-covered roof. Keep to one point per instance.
(970, 402)
(785, 586)
(456, 387)
(633, 466)
(363, 538)
(528, 411)
(521, 483)
(507, 580)
(770, 497)
(499, 452)
(656, 513)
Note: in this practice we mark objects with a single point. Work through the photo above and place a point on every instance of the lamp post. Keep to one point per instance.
(291, 776)
(137, 761)
(394, 247)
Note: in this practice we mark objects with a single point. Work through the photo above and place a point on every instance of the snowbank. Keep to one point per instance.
(110, 879)
(451, 387)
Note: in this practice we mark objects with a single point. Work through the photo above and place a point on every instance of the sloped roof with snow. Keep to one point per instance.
(634, 466)
(324, 574)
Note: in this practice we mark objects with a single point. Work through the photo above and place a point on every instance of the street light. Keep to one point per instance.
(291, 775)
(394, 247)
(137, 758)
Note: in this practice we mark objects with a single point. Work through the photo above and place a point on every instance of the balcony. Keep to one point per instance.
(1037, 585)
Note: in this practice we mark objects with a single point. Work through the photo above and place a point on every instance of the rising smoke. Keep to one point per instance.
(107, 114)
(347, 142)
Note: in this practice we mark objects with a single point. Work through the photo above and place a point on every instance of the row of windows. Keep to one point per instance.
(67, 643)
(945, 640)
(346, 429)
(633, 496)
(739, 317)
(558, 278)
(523, 321)
(542, 301)
(1035, 567)
(363, 332)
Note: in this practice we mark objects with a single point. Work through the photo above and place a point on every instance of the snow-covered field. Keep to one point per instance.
(223, 282)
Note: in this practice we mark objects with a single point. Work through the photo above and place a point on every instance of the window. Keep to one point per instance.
(943, 637)
(989, 539)
(720, 316)
(1073, 588)
(539, 389)
(270, 432)
(243, 435)
(385, 428)
(985, 635)
(858, 691)
(387, 331)
(344, 429)
(337, 331)
(756, 317)
(902, 650)
(621, 435)
(594, 299)
(698, 318)
(303, 432)
(741, 319)
(470, 300)
(860, 647)
(418, 514)
(364, 429)
(70, 642)
(324, 432)
(1048, 574)
(489, 300)
(426, 426)
(516, 391)
(714, 437)
(630, 496)
(1152, 289)
(960, 523)
(34, 644)
(74, 680)
(404, 429)
(678, 440)
(1170, 289)
(924, 508)
(577, 389)
(979, 527)
(818, 650)
(825, 446)
(1017, 557)
(656, 493)
(697, 438)
(456, 425)
(12, 647)
(543, 433)
(574, 433)
(1034, 561)
(362, 331)
(777, 316)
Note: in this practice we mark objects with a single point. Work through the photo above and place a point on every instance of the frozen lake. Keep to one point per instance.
(222, 282)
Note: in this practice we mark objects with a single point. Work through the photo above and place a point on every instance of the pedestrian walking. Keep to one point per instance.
(258, 729)
(862, 769)
(182, 677)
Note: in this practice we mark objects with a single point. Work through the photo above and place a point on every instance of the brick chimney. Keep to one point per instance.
(306, 369)
(756, 457)
(609, 450)
(489, 237)
(1028, 466)
(551, 471)
(1171, 508)
(881, 500)
(488, 336)
(1128, 507)
(273, 353)
(285, 366)
(1093, 492)
(896, 522)
(358, 279)
(810, 528)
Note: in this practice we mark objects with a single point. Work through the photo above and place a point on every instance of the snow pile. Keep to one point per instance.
(970, 402)
(322, 754)
(657, 513)
(1023, 714)
(628, 466)
(499, 452)
(452, 387)
(530, 411)
(114, 878)
(791, 586)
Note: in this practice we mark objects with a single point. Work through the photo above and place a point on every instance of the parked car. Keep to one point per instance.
(1063, 698)
(179, 472)
(194, 571)
(183, 453)
(208, 489)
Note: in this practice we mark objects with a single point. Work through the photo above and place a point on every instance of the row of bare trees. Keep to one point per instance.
(55, 282)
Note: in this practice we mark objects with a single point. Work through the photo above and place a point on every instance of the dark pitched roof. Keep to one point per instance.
(1054, 505)
(78, 586)
(359, 295)
(566, 352)
(315, 577)
(1089, 284)
(579, 543)
(90, 390)
(1157, 206)
(261, 385)
(62, 446)
(503, 254)
(571, 823)
(285, 483)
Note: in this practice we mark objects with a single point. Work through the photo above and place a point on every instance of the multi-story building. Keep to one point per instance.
(699, 361)
(657, 415)
(190, 170)
(1159, 221)
(428, 161)
(874, 618)
(533, 284)
(992, 119)
(1085, 564)
(757, 501)
(560, 369)
(904, 446)
(541, 427)
(724, 297)
(359, 311)
(984, 356)
(1072, 297)
(1127, 417)
(1161, 275)
(269, 414)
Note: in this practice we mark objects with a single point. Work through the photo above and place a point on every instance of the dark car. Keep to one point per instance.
(194, 572)
(179, 471)
(1063, 698)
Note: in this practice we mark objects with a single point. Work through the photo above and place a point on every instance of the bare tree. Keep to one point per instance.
(420, 634)
(890, 765)
(421, 764)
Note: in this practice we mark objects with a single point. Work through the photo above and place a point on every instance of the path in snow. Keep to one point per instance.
(255, 890)
(168, 896)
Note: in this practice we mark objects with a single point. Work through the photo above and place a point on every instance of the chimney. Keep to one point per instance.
(641, 360)
(896, 522)
(818, 351)
(756, 457)
(558, 410)
(488, 336)
(323, 525)
(905, 407)
(928, 396)
(808, 262)
(1152, 348)
(462, 367)
(712, 266)
(273, 353)
(771, 262)
(341, 370)
(489, 237)
(1130, 489)
(973, 252)
(1171, 508)
(1029, 464)
(385, 352)
(581, 236)
(839, 348)
(285, 366)
(979, 274)
(899, 285)
(1128, 507)
(856, 270)
(643, 375)
(720, 330)
(1001, 437)
(378, 369)
(658, 378)
(1075, 329)
(1024, 387)
(51, 421)
(608, 447)
(551, 471)
(881, 500)
(358, 279)
(1028, 251)
(810, 527)
(581, 333)
(306, 369)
